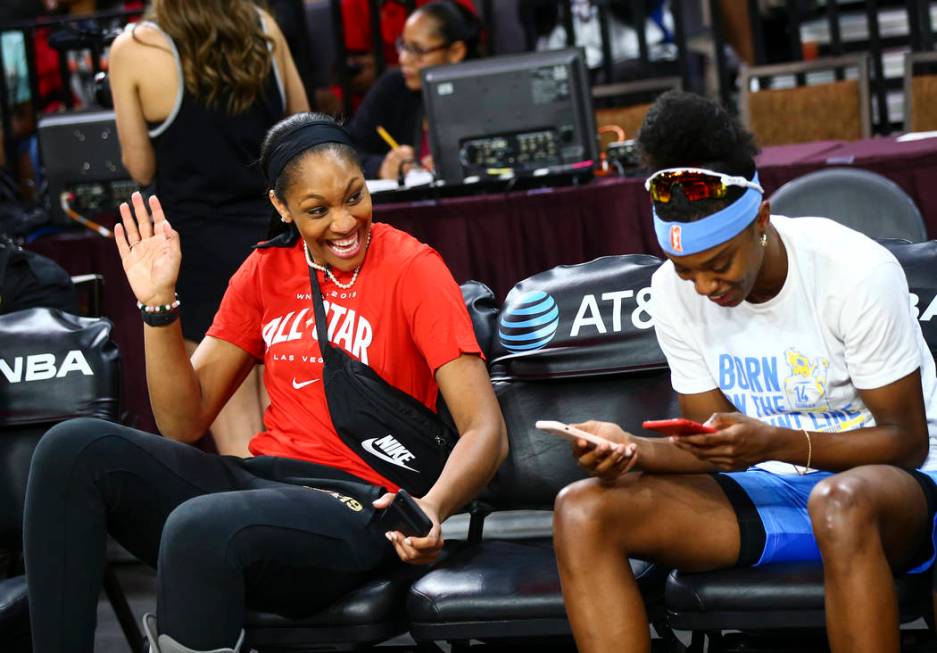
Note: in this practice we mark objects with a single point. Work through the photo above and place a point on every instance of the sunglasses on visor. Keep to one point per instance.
(696, 183)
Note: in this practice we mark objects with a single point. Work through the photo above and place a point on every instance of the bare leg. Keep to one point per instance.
(868, 521)
(680, 521)
(242, 417)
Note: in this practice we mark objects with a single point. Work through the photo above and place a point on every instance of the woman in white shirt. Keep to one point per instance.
(795, 341)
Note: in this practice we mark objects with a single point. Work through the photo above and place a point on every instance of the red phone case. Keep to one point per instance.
(677, 426)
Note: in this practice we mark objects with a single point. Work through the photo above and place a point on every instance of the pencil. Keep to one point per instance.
(383, 133)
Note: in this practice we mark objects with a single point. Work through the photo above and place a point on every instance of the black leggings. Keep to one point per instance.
(221, 531)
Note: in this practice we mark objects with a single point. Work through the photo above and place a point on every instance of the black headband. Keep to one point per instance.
(301, 139)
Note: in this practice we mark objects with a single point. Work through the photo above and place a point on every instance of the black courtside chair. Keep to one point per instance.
(28, 408)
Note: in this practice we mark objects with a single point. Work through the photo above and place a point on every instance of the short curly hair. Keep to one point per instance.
(685, 129)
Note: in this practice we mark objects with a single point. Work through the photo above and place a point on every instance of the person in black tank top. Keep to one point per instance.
(190, 121)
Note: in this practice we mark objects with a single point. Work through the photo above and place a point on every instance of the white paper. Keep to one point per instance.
(379, 185)
(915, 136)
(416, 177)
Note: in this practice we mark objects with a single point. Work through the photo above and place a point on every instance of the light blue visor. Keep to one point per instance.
(685, 238)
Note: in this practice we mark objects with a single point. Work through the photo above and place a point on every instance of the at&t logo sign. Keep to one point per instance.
(530, 324)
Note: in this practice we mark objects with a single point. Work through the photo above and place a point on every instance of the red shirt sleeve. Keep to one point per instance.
(240, 316)
(435, 310)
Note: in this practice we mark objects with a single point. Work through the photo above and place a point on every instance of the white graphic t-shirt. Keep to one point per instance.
(842, 322)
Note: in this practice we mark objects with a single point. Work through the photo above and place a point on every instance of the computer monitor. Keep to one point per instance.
(81, 156)
(528, 112)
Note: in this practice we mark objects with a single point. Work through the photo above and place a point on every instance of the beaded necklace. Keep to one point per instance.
(328, 271)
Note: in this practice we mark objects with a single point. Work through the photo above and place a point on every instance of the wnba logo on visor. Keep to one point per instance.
(676, 238)
(530, 324)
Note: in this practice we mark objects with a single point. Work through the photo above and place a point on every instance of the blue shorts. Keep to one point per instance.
(774, 525)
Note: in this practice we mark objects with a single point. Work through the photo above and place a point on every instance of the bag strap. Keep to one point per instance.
(322, 327)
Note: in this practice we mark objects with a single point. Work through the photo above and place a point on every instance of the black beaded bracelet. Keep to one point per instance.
(163, 315)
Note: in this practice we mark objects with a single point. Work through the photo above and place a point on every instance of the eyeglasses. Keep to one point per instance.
(696, 183)
(416, 51)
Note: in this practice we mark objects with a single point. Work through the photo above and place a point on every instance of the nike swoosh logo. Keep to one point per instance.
(300, 386)
(368, 445)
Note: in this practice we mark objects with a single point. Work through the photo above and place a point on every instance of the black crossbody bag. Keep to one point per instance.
(396, 435)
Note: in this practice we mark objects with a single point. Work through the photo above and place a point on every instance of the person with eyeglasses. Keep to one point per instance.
(439, 33)
(356, 17)
(794, 340)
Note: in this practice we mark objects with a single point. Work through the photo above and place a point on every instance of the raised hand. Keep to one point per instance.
(149, 251)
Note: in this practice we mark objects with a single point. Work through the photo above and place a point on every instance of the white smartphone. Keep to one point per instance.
(568, 432)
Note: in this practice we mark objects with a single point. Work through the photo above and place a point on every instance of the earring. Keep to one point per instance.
(764, 239)
(283, 219)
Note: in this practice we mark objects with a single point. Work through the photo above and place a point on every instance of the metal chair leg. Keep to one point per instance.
(672, 643)
(128, 623)
(697, 642)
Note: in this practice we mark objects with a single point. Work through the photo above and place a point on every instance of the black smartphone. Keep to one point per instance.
(404, 515)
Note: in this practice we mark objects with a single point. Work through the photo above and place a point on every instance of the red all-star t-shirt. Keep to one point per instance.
(404, 317)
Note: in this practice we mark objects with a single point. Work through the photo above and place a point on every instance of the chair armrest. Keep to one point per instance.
(88, 287)
(478, 511)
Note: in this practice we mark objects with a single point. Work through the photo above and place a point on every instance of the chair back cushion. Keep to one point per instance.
(483, 309)
(55, 365)
(919, 261)
(860, 199)
(579, 320)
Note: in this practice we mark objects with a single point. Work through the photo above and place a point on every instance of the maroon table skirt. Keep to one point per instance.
(501, 239)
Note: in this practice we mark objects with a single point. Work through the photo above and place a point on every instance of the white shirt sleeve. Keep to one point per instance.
(880, 335)
(689, 373)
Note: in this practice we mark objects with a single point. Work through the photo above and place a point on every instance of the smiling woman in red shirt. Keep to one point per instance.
(225, 532)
